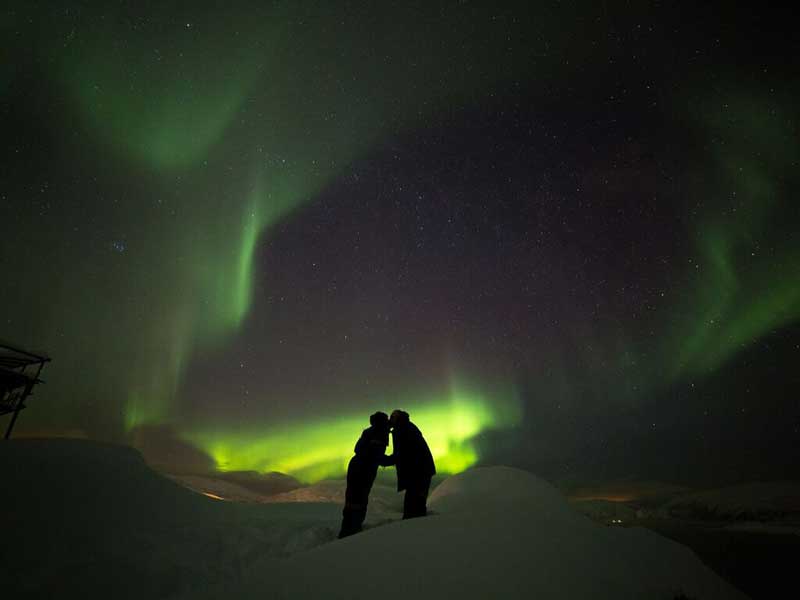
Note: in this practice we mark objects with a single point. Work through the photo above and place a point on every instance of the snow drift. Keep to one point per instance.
(92, 519)
(495, 533)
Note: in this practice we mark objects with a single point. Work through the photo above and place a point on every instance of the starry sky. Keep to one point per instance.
(563, 236)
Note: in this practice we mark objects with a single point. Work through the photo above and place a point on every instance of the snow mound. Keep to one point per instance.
(497, 489)
(495, 533)
(92, 519)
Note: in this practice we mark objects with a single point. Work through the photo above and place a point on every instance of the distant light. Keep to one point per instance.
(214, 496)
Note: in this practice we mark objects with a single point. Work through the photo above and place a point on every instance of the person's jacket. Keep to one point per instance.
(370, 450)
(412, 457)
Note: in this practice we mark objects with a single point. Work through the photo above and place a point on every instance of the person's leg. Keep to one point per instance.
(411, 503)
(425, 487)
(414, 503)
(408, 503)
(355, 510)
(352, 520)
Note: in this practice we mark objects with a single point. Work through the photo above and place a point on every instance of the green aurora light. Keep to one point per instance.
(201, 135)
(165, 101)
(747, 279)
(315, 451)
(225, 115)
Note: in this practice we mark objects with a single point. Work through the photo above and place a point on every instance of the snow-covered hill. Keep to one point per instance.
(496, 533)
(93, 519)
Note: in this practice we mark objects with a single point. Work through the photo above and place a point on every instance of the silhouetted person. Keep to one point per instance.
(414, 464)
(370, 453)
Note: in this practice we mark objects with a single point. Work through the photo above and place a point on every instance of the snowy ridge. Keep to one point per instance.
(495, 533)
(92, 519)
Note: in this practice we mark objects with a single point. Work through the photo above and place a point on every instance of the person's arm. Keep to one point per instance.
(361, 446)
(387, 460)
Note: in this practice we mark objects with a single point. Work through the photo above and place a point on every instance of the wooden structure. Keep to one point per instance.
(19, 373)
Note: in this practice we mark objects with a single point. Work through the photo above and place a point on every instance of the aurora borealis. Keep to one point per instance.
(451, 422)
(562, 237)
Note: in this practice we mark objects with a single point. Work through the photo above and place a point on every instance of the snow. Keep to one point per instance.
(93, 519)
(495, 533)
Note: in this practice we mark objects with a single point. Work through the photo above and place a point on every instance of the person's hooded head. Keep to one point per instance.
(379, 420)
(399, 418)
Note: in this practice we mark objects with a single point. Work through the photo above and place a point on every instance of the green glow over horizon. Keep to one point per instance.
(314, 451)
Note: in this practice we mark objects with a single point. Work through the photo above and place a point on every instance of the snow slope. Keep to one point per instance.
(93, 519)
(90, 519)
(496, 533)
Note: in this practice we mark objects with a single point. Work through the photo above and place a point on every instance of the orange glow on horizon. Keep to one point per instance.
(214, 496)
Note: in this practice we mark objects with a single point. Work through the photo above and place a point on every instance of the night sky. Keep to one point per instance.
(563, 236)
